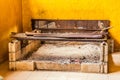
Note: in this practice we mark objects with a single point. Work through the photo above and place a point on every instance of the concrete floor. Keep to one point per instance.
(114, 73)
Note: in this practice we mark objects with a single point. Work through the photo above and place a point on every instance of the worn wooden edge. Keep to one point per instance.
(54, 66)
(110, 45)
(12, 66)
(91, 67)
(22, 65)
(15, 56)
(31, 65)
(25, 65)
(106, 52)
(32, 46)
(105, 67)
(102, 52)
(14, 46)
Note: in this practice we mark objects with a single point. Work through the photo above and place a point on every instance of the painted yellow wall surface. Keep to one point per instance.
(74, 9)
(10, 21)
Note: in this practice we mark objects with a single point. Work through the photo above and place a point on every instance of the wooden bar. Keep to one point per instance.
(110, 45)
(106, 52)
(22, 36)
(23, 52)
(25, 65)
(49, 65)
(102, 52)
(68, 29)
(67, 35)
(87, 24)
(105, 67)
(101, 67)
(15, 56)
(32, 46)
(90, 67)
(14, 46)
(12, 66)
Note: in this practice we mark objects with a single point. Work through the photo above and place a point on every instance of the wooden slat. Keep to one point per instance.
(90, 67)
(15, 56)
(12, 65)
(105, 67)
(48, 65)
(23, 36)
(106, 52)
(110, 45)
(86, 24)
(25, 65)
(79, 29)
(69, 35)
(30, 47)
(14, 46)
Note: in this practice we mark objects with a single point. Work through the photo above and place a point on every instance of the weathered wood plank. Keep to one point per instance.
(12, 66)
(110, 45)
(106, 52)
(22, 36)
(90, 67)
(102, 52)
(48, 65)
(15, 56)
(14, 46)
(105, 67)
(67, 35)
(25, 65)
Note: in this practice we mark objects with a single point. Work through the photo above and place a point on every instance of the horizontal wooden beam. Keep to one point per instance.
(23, 36)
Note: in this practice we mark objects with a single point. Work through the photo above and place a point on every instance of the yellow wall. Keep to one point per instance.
(73, 9)
(10, 21)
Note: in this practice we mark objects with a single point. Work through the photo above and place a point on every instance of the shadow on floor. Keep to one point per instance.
(114, 62)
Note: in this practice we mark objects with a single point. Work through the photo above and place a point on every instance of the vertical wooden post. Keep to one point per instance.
(102, 52)
(105, 58)
(105, 52)
(14, 50)
(12, 66)
(105, 67)
(14, 46)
